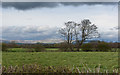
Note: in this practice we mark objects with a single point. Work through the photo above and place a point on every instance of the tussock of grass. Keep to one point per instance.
(34, 68)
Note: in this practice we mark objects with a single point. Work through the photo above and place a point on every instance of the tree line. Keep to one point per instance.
(92, 46)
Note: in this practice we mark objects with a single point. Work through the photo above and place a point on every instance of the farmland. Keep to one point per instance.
(25, 49)
(108, 60)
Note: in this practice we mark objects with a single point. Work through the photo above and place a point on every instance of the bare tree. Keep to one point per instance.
(76, 34)
(87, 31)
(68, 32)
(79, 32)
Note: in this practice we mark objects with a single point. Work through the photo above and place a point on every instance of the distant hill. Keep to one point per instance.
(5, 41)
(47, 41)
(87, 41)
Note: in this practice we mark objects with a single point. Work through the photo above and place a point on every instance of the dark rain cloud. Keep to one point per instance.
(88, 3)
(31, 5)
(28, 5)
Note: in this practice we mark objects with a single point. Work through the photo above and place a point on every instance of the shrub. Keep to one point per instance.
(87, 47)
(4, 47)
(102, 46)
(30, 50)
(39, 48)
(65, 47)
(115, 49)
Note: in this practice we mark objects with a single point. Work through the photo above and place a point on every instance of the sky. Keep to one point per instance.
(42, 20)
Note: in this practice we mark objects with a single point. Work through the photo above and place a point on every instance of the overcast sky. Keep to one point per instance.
(42, 20)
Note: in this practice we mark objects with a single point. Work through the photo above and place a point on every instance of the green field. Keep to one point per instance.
(52, 49)
(25, 49)
(17, 49)
(46, 49)
(108, 60)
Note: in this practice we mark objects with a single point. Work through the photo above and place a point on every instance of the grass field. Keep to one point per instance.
(47, 49)
(25, 49)
(52, 49)
(17, 49)
(108, 60)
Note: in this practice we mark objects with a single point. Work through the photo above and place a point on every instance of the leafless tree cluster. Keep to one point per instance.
(78, 32)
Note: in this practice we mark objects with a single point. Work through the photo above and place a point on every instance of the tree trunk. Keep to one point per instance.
(68, 39)
(79, 44)
(71, 47)
(83, 39)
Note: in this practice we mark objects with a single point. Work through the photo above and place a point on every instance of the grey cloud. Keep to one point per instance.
(110, 35)
(60, 1)
(31, 5)
(89, 3)
(28, 5)
(115, 28)
(29, 33)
